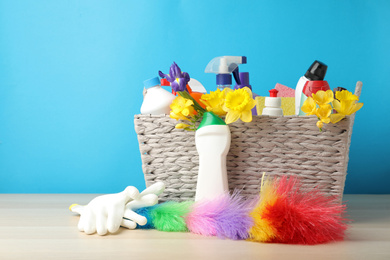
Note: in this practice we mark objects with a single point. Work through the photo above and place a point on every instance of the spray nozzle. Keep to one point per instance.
(223, 66)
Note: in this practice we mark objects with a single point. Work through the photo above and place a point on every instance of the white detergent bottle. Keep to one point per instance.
(316, 71)
(212, 139)
(156, 99)
(273, 104)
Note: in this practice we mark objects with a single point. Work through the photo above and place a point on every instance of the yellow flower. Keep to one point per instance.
(309, 106)
(181, 126)
(323, 97)
(320, 124)
(323, 113)
(182, 108)
(346, 95)
(239, 104)
(215, 100)
(344, 108)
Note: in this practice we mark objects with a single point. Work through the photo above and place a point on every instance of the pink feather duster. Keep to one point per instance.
(225, 216)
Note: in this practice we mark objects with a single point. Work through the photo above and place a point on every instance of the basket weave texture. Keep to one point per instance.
(289, 145)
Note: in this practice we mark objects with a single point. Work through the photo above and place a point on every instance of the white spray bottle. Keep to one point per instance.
(224, 66)
(316, 71)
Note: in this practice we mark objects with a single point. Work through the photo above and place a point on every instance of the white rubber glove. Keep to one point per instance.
(107, 213)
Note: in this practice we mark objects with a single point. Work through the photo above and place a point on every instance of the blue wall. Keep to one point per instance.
(71, 76)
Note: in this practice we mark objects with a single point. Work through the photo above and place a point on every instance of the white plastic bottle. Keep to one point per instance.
(212, 141)
(156, 99)
(316, 71)
(273, 104)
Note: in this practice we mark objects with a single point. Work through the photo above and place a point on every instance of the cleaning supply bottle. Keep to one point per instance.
(212, 139)
(316, 71)
(311, 87)
(273, 104)
(223, 66)
(244, 79)
(156, 99)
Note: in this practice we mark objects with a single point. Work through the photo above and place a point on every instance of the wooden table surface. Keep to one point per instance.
(40, 226)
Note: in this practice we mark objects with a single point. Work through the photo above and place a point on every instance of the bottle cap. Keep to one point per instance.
(151, 82)
(273, 93)
(311, 87)
(316, 71)
(165, 82)
(224, 79)
(209, 118)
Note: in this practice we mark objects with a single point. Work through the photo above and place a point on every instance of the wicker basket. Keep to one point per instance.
(289, 145)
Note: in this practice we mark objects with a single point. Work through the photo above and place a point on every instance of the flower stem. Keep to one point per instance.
(197, 107)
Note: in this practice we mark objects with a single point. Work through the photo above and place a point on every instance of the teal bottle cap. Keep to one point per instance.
(151, 82)
(209, 118)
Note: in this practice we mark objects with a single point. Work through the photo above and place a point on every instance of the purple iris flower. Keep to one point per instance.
(177, 78)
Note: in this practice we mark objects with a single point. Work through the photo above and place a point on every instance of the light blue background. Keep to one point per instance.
(71, 76)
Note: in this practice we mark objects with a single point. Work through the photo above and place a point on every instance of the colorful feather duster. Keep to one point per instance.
(170, 216)
(146, 213)
(287, 213)
(284, 212)
(225, 216)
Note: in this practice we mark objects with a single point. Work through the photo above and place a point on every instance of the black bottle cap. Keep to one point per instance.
(316, 71)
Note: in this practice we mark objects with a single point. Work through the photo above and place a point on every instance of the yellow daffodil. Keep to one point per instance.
(323, 113)
(320, 124)
(215, 100)
(323, 97)
(181, 108)
(239, 104)
(181, 126)
(346, 95)
(344, 108)
(309, 106)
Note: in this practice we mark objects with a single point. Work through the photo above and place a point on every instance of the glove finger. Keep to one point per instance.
(145, 201)
(128, 224)
(101, 224)
(131, 215)
(114, 219)
(76, 208)
(80, 225)
(156, 188)
(89, 222)
(130, 193)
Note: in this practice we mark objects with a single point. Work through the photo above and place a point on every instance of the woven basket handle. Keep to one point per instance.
(358, 88)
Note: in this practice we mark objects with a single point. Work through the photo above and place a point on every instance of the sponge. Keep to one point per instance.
(288, 105)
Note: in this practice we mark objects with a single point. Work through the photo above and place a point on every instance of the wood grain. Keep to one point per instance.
(40, 226)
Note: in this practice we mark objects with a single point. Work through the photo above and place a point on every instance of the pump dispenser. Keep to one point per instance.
(224, 66)
(156, 99)
(316, 72)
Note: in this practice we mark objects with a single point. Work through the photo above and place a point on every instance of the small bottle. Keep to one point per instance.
(156, 99)
(316, 71)
(273, 104)
(310, 88)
